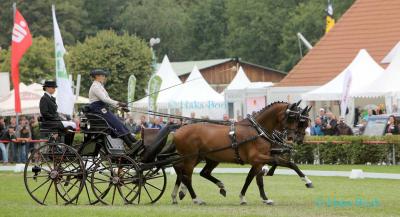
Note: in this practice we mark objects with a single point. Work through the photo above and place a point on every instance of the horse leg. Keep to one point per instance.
(294, 167)
(271, 171)
(260, 185)
(187, 180)
(177, 184)
(206, 173)
(250, 176)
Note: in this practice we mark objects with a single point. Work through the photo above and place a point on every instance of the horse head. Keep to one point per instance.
(281, 116)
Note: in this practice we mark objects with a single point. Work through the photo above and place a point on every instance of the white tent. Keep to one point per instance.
(389, 57)
(388, 84)
(196, 95)
(239, 82)
(364, 70)
(30, 98)
(168, 87)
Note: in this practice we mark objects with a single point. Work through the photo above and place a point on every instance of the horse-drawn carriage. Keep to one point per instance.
(100, 169)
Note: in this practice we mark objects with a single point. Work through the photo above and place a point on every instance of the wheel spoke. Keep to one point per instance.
(113, 197)
(40, 185)
(148, 193)
(153, 186)
(45, 197)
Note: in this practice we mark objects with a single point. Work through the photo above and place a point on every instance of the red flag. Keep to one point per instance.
(21, 41)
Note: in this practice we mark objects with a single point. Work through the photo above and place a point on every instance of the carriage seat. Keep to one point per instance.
(94, 123)
(50, 126)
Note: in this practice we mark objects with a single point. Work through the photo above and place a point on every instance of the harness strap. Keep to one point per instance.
(235, 145)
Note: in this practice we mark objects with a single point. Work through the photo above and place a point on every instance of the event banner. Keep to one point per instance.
(154, 90)
(65, 96)
(255, 104)
(131, 89)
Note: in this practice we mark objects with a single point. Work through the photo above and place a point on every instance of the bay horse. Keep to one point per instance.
(199, 141)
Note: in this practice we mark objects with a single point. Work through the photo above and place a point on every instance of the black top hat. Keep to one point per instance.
(50, 84)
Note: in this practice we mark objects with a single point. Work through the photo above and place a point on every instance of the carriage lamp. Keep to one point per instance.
(36, 170)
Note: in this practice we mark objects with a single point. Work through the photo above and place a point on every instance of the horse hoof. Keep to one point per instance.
(175, 203)
(199, 202)
(309, 185)
(268, 202)
(222, 192)
(181, 195)
(243, 203)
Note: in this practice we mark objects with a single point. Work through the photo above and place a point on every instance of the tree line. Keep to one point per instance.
(262, 32)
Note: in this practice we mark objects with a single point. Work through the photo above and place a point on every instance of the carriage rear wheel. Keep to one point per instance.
(116, 180)
(54, 174)
(153, 185)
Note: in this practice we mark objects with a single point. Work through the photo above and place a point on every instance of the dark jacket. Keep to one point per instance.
(331, 131)
(48, 108)
(6, 136)
(392, 129)
(343, 129)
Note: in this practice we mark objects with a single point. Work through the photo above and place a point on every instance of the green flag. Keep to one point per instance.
(131, 89)
(154, 88)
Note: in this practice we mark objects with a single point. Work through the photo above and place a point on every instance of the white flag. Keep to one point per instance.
(65, 96)
(345, 94)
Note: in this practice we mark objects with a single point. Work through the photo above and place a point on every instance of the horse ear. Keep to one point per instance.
(309, 109)
(305, 110)
(298, 103)
(292, 106)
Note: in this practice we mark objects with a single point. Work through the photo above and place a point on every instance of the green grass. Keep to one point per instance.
(327, 167)
(289, 193)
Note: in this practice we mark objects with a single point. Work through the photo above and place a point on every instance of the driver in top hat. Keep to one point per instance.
(48, 110)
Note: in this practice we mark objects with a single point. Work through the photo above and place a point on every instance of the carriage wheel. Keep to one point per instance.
(87, 196)
(116, 180)
(153, 185)
(54, 174)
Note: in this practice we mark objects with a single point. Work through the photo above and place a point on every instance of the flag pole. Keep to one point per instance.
(14, 6)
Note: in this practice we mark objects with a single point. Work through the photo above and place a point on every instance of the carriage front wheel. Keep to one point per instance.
(117, 180)
(54, 174)
(153, 185)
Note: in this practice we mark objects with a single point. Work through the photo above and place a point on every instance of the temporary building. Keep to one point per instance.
(196, 95)
(364, 70)
(169, 86)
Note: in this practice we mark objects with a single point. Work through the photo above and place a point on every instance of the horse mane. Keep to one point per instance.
(269, 106)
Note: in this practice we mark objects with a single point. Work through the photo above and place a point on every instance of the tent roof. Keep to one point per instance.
(169, 79)
(368, 24)
(387, 83)
(389, 57)
(240, 81)
(364, 70)
(197, 90)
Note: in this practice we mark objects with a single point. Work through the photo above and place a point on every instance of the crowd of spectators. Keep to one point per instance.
(16, 139)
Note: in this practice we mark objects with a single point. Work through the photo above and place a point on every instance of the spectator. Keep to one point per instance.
(161, 120)
(369, 114)
(142, 124)
(362, 125)
(131, 125)
(329, 128)
(156, 124)
(323, 117)
(225, 117)
(10, 136)
(24, 136)
(316, 130)
(308, 129)
(391, 127)
(13, 122)
(342, 128)
(2, 125)
(35, 131)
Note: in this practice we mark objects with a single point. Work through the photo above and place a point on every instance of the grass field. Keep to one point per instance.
(289, 193)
